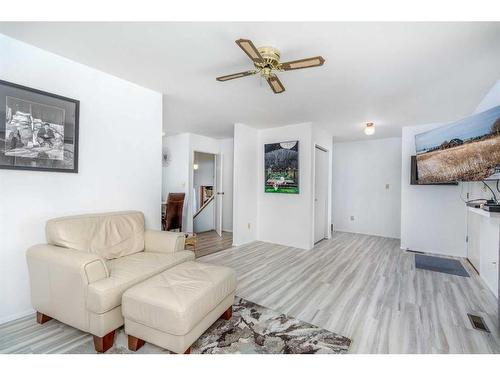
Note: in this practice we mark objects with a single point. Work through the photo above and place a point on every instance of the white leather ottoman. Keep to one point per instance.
(174, 308)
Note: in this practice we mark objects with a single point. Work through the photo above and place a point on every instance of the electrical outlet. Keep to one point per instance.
(248, 226)
(352, 218)
(386, 186)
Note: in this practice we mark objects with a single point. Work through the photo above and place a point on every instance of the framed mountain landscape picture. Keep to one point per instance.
(281, 164)
(38, 130)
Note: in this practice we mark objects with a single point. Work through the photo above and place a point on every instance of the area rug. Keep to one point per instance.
(253, 329)
(438, 264)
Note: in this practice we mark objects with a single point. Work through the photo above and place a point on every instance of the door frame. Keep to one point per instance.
(219, 193)
(191, 187)
(329, 193)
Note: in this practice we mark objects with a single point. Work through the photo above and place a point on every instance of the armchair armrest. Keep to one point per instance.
(90, 267)
(157, 241)
(59, 279)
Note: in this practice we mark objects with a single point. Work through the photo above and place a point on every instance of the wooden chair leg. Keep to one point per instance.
(188, 351)
(103, 344)
(135, 343)
(42, 318)
(228, 313)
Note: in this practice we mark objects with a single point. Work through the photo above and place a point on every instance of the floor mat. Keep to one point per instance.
(438, 264)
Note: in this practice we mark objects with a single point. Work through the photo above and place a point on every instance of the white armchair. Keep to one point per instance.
(79, 277)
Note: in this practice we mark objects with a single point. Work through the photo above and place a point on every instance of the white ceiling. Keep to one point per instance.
(393, 74)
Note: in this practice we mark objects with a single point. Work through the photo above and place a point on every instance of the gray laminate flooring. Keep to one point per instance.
(363, 287)
(367, 288)
(210, 242)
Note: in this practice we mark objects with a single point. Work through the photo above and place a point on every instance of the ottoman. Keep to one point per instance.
(175, 307)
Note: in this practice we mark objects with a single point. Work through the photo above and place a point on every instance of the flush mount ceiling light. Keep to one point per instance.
(266, 61)
(369, 128)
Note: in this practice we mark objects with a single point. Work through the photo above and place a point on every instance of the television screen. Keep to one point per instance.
(414, 175)
(466, 150)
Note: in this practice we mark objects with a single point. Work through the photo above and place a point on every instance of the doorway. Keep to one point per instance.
(321, 172)
(207, 202)
(203, 194)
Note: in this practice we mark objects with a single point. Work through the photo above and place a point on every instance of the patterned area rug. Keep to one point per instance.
(253, 329)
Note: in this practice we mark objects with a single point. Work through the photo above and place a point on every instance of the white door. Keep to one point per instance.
(219, 194)
(320, 194)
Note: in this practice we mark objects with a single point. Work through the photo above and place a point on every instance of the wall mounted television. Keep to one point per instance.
(414, 175)
(465, 150)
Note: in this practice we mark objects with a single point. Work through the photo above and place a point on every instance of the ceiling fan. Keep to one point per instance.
(267, 61)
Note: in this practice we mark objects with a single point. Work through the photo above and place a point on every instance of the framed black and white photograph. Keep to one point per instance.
(38, 130)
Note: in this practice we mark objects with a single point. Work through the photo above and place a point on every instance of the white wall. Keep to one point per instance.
(179, 172)
(361, 171)
(285, 219)
(245, 194)
(226, 148)
(178, 168)
(119, 161)
(433, 218)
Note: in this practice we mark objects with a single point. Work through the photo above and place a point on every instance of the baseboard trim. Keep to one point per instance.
(7, 319)
(367, 234)
(434, 253)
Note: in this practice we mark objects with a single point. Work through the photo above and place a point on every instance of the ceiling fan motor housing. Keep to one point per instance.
(271, 58)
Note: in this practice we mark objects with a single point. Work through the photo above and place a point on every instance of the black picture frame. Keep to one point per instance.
(281, 167)
(54, 151)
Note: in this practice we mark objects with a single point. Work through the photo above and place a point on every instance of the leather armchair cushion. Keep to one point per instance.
(109, 235)
(176, 300)
(127, 271)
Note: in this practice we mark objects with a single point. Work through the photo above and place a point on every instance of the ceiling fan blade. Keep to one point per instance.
(275, 84)
(236, 75)
(303, 63)
(248, 47)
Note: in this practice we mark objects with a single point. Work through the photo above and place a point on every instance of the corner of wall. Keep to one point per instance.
(245, 184)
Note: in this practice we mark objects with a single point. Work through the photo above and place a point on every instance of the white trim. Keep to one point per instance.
(328, 218)
(7, 319)
(367, 234)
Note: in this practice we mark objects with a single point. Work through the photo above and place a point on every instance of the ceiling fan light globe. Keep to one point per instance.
(370, 129)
